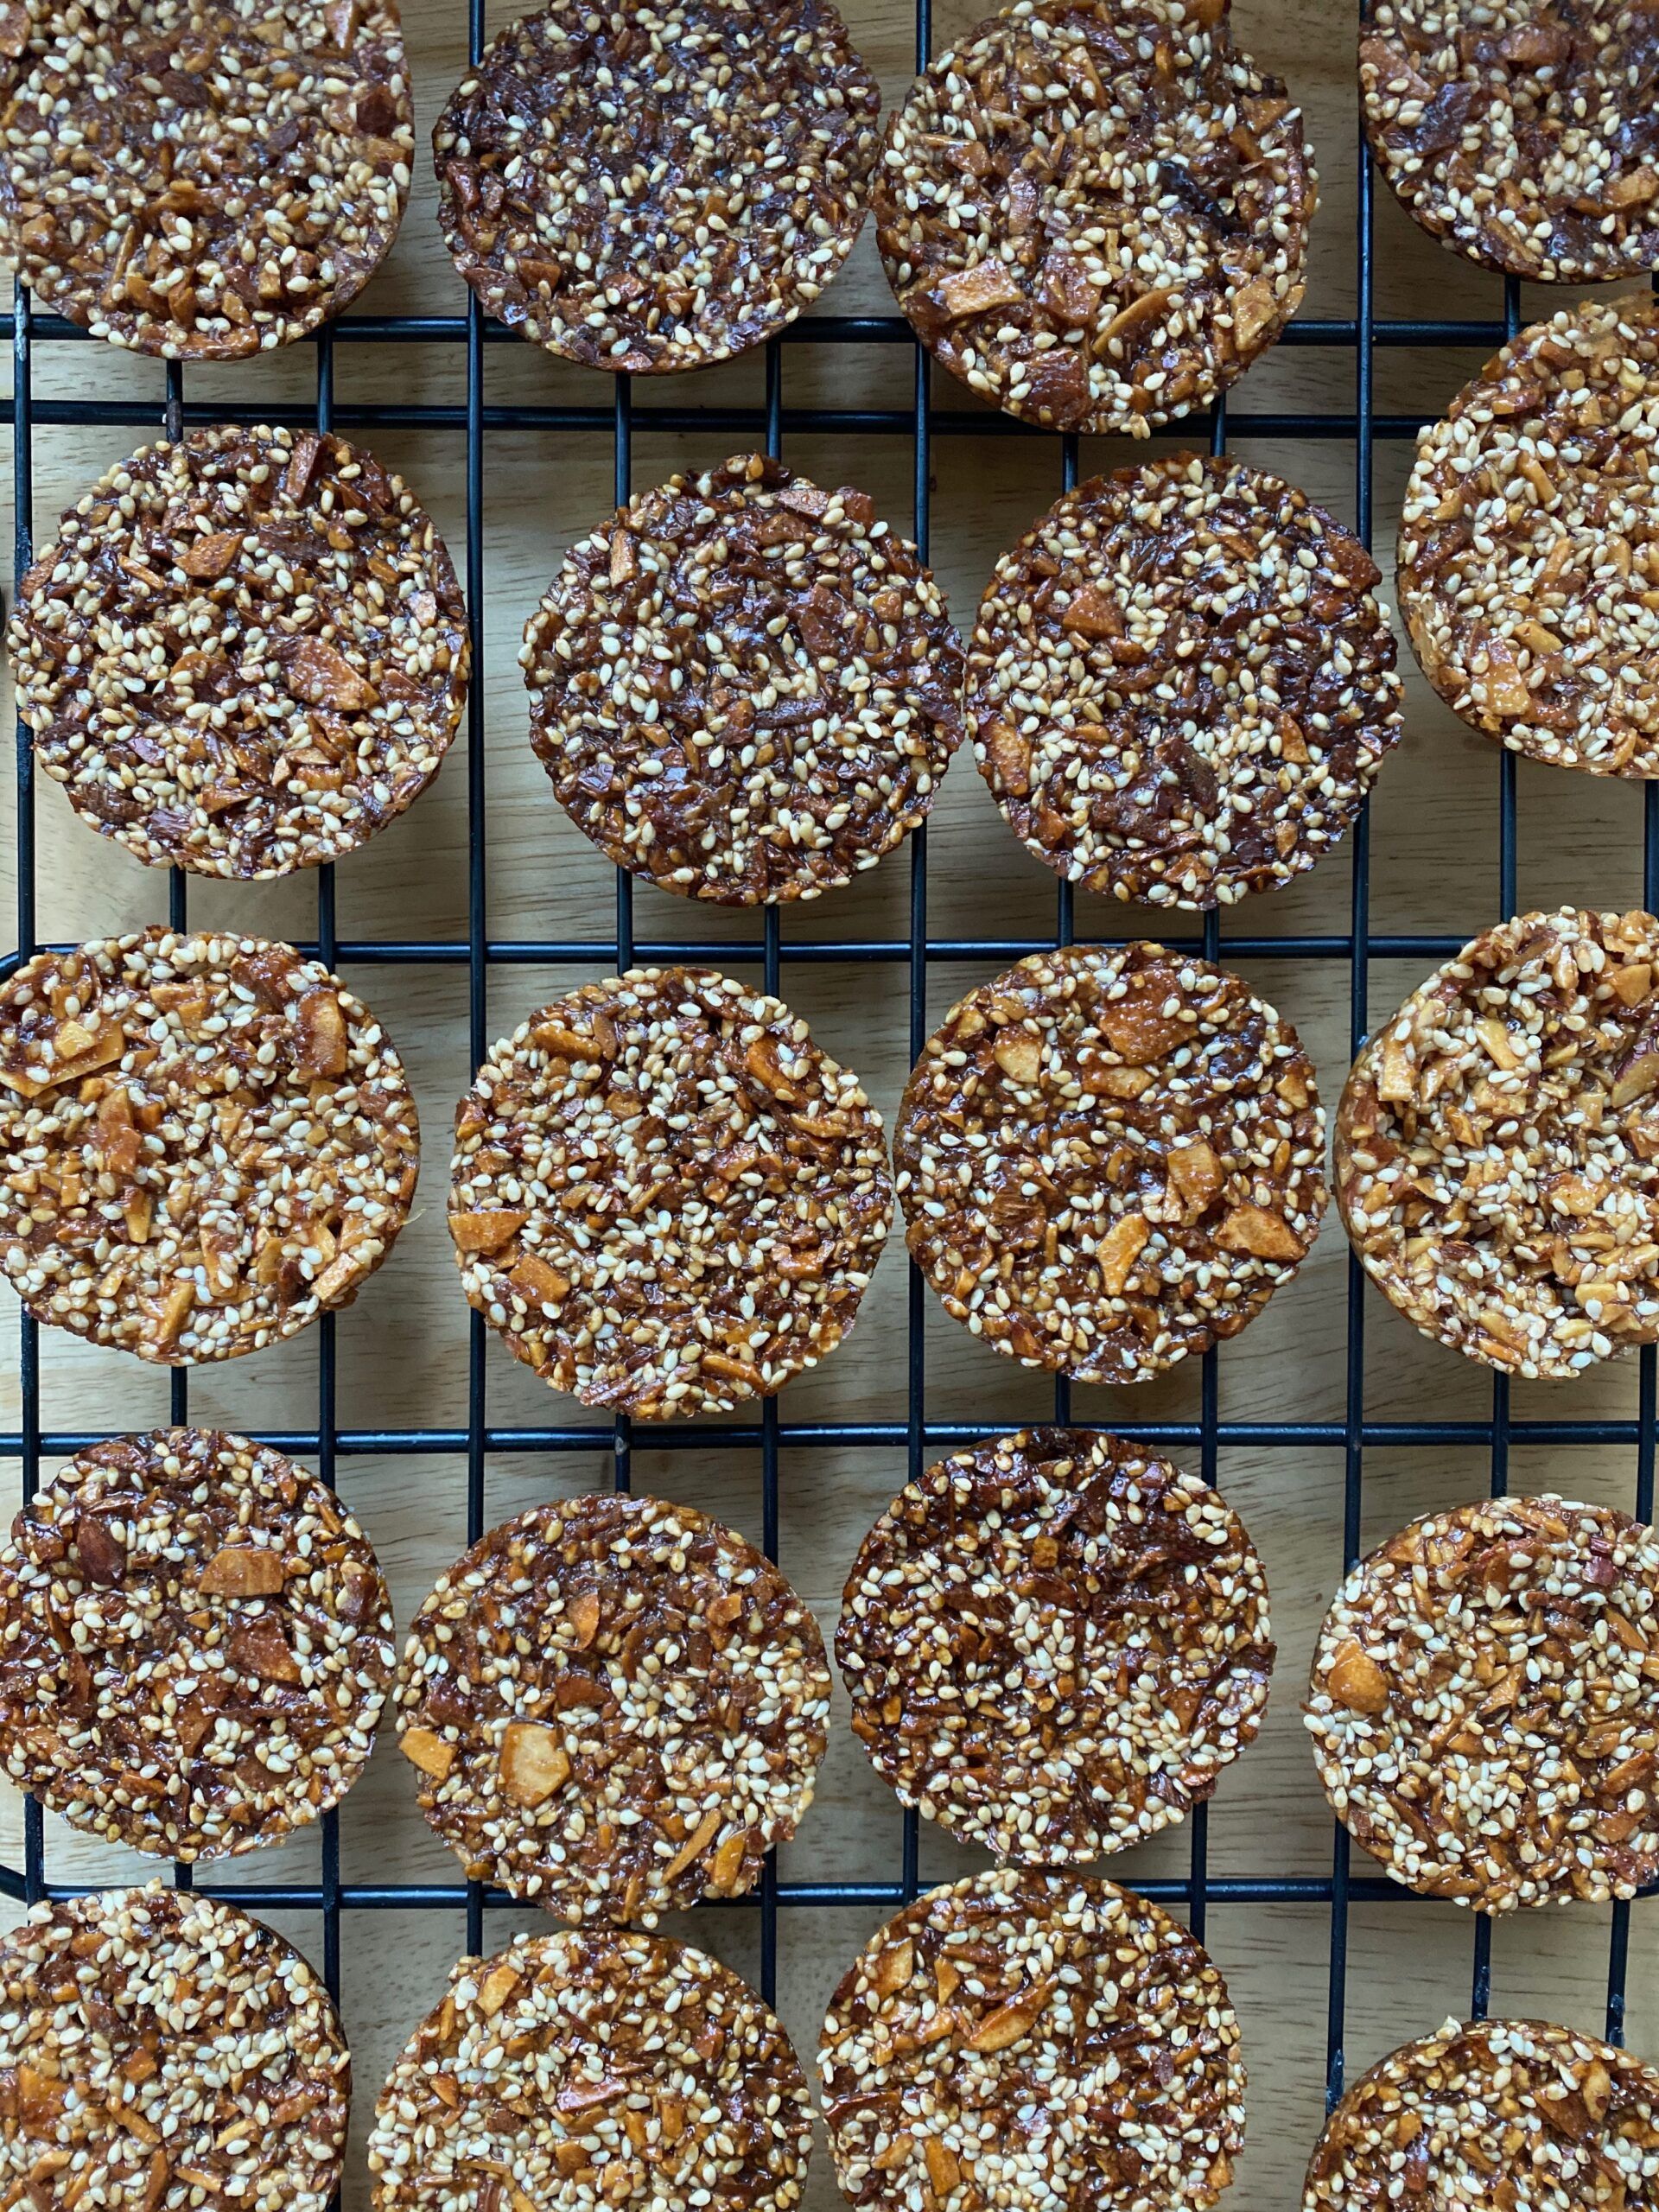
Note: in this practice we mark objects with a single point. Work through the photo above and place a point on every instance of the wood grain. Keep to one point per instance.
(402, 1350)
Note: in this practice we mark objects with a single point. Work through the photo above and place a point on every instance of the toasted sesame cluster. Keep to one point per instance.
(1496, 1141)
(1022, 2038)
(205, 1142)
(244, 652)
(1513, 2112)
(744, 687)
(1481, 1716)
(1054, 1643)
(1180, 687)
(656, 187)
(207, 179)
(665, 1195)
(616, 1706)
(1525, 133)
(1528, 552)
(1095, 212)
(1110, 1157)
(195, 1644)
(161, 2051)
(588, 2070)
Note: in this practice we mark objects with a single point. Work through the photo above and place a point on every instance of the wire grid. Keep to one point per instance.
(326, 1442)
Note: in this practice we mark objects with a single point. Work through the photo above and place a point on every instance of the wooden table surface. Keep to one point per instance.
(402, 1348)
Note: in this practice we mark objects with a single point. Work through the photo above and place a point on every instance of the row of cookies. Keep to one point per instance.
(1095, 212)
(666, 1198)
(1054, 1642)
(651, 189)
(1013, 2038)
(247, 651)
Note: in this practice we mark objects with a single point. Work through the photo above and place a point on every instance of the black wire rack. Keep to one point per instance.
(326, 1442)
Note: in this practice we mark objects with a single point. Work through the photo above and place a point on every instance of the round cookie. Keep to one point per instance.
(665, 1196)
(196, 1640)
(1054, 1643)
(212, 1142)
(655, 187)
(207, 179)
(163, 2051)
(1480, 1717)
(244, 652)
(1525, 134)
(585, 2070)
(616, 1706)
(1095, 212)
(744, 687)
(1528, 549)
(1109, 1159)
(1180, 687)
(1028, 2038)
(1567, 2121)
(1497, 1140)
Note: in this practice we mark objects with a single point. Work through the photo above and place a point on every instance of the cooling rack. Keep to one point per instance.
(1360, 426)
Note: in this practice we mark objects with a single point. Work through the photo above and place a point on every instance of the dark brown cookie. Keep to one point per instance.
(1525, 133)
(1180, 687)
(1481, 1713)
(651, 188)
(163, 2051)
(744, 687)
(1511, 2112)
(1054, 1643)
(244, 653)
(617, 1706)
(207, 179)
(1033, 2039)
(665, 1196)
(1095, 212)
(597, 2068)
(196, 1640)
(1496, 1153)
(1528, 549)
(1110, 1157)
(215, 1142)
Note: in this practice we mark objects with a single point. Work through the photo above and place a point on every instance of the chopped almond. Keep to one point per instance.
(1355, 1679)
(1120, 1248)
(534, 1762)
(1019, 1053)
(976, 291)
(484, 1232)
(1262, 1234)
(422, 1748)
(243, 1571)
(1012, 2022)
(693, 1847)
